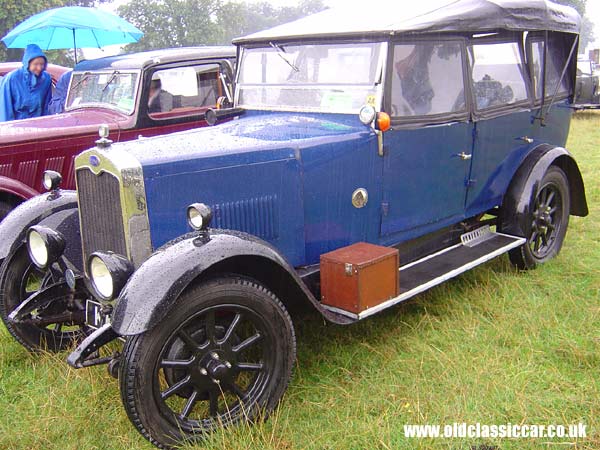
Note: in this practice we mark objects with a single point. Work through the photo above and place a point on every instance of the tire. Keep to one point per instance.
(180, 380)
(18, 280)
(549, 219)
(5, 208)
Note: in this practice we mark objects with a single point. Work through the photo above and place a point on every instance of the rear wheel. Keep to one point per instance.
(224, 353)
(548, 219)
(48, 328)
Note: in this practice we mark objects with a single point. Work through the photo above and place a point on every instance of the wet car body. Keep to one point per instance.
(435, 143)
(28, 147)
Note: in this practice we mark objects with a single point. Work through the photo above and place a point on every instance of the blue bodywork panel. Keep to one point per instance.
(288, 178)
(277, 176)
(500, 146)
(424, 179)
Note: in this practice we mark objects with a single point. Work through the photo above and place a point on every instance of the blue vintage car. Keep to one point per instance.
(372, 155)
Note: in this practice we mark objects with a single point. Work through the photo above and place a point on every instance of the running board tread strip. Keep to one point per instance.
(432, 273)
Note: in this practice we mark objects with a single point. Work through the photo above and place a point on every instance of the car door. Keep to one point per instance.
(427, 151)
(187, 90)
(503, 117)
(551, 122)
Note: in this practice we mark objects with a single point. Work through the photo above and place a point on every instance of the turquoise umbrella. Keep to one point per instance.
(72, 27)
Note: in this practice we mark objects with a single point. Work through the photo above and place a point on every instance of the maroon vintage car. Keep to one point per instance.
(141, 94)
(54, 70)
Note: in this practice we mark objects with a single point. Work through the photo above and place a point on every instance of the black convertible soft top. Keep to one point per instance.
(426, 16)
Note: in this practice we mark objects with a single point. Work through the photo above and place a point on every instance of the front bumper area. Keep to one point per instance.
(85, 354)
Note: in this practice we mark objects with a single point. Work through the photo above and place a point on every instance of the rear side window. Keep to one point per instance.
(554, 67)
(498, 74)
(427, 79)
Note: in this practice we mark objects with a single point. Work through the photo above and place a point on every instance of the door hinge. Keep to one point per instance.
(385, 208)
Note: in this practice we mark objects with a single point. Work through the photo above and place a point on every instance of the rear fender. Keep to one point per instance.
(525, 184)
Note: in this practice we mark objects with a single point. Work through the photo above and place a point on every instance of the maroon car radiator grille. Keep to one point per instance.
(101, 214)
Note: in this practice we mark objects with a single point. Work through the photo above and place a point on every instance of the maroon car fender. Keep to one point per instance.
(16, 188)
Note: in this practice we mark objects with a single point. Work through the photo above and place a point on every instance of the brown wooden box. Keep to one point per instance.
(359, 276)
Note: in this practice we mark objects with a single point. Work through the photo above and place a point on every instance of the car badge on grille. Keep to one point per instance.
(94, 161)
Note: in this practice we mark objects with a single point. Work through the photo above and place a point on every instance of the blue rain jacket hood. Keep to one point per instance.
(23, 94)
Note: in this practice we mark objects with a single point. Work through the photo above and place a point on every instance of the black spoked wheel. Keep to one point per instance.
(549, 218)
(223, 354)
(547, 221)
(53, 328)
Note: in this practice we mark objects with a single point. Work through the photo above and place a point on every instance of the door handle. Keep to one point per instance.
(464, 156)
(526, 139)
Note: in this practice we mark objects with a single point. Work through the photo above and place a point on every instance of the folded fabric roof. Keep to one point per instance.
(426, 16)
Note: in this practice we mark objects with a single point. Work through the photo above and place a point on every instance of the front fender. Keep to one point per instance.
(155, 286)
(525, 184)
(56, 210)
(17, 188)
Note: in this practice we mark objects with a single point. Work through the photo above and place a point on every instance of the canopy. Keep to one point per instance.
(426, 16)
(72, 27)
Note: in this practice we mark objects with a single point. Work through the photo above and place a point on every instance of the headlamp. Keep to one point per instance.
(44, 246)
(199, 216)
(51, 180)
(108, 272)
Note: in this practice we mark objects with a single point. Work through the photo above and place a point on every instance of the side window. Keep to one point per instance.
(498, 74)
(183, 91)
(554, 67)
(427, 79)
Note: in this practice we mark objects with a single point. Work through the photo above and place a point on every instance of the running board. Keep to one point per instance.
(476, 247)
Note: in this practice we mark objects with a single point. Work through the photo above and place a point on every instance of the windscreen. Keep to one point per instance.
(322, 77)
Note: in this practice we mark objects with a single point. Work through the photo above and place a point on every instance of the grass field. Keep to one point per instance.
(493, 346)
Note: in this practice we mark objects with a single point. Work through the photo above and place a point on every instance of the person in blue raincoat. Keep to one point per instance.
(26, 92)
(57, 104)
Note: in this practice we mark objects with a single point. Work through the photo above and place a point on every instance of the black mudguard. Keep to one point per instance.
(525, 184)
(56, 210)
(155, 286)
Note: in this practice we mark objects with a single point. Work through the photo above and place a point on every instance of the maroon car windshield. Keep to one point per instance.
(110, 89)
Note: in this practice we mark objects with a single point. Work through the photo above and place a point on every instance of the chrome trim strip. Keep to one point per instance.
(128, 171)
(419, 289)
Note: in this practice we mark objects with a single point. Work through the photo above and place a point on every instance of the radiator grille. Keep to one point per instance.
(101, 213)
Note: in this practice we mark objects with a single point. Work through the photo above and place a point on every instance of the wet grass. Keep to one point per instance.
(494, 346)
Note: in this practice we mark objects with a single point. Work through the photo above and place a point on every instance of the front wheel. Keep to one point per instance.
(224, 353)
(548, 220)
(55, 327)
